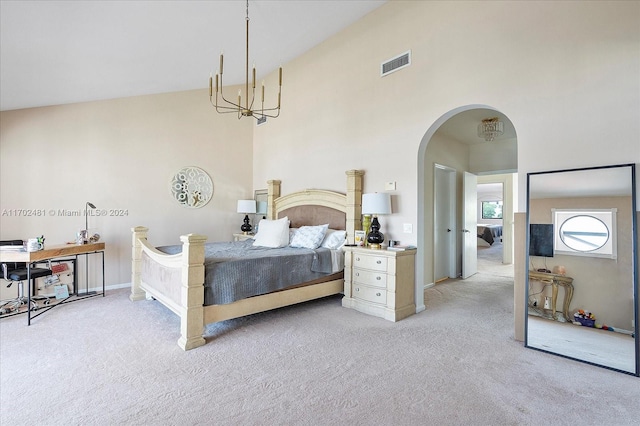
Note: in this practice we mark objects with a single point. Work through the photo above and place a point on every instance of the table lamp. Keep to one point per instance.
(376, 204)
(246, 207)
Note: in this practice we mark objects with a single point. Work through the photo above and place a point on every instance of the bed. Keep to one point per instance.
(488, 234)
(178, 280)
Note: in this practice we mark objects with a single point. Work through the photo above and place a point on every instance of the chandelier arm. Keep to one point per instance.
(271, 115)
(221, 108)
(237, 105)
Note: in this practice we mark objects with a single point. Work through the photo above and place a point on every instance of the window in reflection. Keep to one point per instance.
(586, 233)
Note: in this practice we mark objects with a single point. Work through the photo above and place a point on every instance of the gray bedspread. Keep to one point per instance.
(238, 270)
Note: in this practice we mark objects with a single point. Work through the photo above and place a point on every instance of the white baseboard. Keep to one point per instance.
(111, 287)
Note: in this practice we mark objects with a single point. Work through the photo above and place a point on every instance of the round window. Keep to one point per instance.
(584, 233)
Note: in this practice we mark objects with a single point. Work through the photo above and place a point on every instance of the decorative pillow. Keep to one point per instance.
(272, 233)
(292, 231)
(334, 239)
(309, 236)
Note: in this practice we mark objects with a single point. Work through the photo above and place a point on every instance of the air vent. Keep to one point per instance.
(262, 120)
(395, 64)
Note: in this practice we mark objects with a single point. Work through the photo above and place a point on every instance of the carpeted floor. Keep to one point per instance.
(108, 361)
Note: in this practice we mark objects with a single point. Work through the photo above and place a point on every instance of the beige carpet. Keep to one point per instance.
(109, 361)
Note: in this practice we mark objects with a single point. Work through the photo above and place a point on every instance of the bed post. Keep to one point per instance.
(354, 203)
(139, 232)
(273, 192)
(192, 292)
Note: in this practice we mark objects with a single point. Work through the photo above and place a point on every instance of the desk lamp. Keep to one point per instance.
(376, 204)
(86, 221)
(246, 207)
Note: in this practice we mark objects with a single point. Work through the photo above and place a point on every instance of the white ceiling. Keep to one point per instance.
(57, 52)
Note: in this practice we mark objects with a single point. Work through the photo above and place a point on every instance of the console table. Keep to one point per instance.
(556, 280)
(51, 252)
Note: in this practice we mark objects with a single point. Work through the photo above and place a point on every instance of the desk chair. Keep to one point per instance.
(17, 272)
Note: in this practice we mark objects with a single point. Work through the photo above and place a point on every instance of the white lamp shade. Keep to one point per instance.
(376, 203)
(246, 206)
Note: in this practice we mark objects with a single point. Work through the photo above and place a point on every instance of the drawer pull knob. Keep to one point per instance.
(357, 288)
(378, 278)
(379, 262)
(357, 274)
(358, 259)
(378, 294)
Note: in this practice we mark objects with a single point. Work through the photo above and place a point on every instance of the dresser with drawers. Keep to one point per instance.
(380, 282)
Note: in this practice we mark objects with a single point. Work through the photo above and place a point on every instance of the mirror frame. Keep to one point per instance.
(635, 259)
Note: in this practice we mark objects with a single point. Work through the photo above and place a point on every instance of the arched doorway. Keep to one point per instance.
(452, 142)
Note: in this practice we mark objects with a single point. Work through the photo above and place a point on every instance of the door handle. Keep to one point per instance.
(448, 230)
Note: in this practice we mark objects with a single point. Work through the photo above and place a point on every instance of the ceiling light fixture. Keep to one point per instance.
(225, 106)
(490, 128)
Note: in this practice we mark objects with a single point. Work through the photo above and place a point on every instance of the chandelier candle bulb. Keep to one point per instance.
(211, 85)
(254, 76)
(221, 56)
(216, 83)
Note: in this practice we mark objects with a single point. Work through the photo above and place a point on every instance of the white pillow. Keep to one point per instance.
(272, 233)
(334, 239)
(309, 236)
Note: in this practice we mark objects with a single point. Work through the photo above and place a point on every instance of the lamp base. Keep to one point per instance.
(375, 238)
(246, 227)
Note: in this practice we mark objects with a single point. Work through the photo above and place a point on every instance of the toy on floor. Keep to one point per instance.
(588, 319)
(584, 318)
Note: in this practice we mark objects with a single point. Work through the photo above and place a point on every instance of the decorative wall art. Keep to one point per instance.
(191, 187)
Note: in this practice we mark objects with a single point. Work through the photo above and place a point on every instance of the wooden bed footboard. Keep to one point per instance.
(189, 307)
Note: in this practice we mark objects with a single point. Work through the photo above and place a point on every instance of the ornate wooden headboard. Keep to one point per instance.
(317, 207)
(314, 207)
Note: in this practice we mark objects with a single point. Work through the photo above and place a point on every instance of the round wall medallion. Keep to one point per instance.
(192, 187)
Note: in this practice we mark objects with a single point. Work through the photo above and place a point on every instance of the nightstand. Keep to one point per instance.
(380, 282)
(242, 237)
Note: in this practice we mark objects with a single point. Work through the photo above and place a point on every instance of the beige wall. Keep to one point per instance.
(120, 154)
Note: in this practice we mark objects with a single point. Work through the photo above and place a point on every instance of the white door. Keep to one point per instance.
(444, 227)
(470, 225)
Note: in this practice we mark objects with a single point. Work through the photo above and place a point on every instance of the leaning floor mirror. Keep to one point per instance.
(582, 281)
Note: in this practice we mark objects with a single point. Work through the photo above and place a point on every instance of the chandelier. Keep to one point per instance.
(490, 128)
(225, 106)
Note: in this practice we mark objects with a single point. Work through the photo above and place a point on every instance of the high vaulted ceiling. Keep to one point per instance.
(57, 52)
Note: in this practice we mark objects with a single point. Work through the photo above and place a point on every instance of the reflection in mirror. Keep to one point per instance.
(582, 295)
(261, 196)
